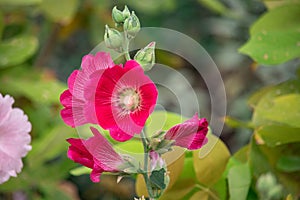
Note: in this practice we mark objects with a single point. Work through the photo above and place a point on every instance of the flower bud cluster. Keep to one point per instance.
(120, 42)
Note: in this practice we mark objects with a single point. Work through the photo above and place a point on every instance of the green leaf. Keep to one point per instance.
(235, 123)
(239, 180)
(60, 11)
(275, 37)
(39, 91)
(80, 171)
(221, 189)
(210, 168)
(179, 190)
(188, 171)
(257, 159)
(279, 104)
(242, 155)
(283, 109)
(264, 159)
(158, 178)
(274, 135)
(256, 97)
(17, 50)
(20, 2)
(288, 163)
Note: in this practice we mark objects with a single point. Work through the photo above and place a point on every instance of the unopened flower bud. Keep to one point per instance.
(113, 38)
(117, 15)
(146, 56)
(132, 26)
(126, 12)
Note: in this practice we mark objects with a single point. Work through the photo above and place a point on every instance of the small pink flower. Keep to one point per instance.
(95, 153)
(125, 97)
(118, 99)
(14, 138)
(78, 99)
(191, 134)
(156, 160)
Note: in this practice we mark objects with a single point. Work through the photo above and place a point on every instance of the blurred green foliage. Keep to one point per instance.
(42, 41)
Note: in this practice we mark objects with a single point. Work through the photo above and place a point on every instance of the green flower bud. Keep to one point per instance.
(131, 26)
(159, 144)
(146, 56)
(117, 15)
(268, 188)
(113, 39)
(126, 12)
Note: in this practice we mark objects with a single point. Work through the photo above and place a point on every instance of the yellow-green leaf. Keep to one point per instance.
(209, 169)
(275, 36)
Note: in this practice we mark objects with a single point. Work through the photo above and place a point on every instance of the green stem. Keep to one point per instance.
(146, 157)
(127, 55)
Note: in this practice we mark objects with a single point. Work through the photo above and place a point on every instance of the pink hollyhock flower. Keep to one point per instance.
(14, 138)
(124, 99)
(118, 99)
(191, 134)
(95, 153)
(79, 107)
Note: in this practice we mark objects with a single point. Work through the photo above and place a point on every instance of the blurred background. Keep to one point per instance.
(43, 41)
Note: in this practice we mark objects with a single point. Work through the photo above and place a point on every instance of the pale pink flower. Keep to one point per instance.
(14, 138)
(95, 153)
(191, 134)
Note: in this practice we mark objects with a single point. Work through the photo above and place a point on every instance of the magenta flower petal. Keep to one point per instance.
(95, 153)
(191, 134)
(103, 152)
(124, 99)
(100, 61)
(119, 135)
(78, 100)
(14, 138)
(78, 153)
(96, 173)
(72, 79)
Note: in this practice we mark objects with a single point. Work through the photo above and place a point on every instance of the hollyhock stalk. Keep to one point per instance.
(120, 99)
(146, 157)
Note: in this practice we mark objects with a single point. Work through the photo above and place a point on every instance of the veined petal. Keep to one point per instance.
(103, 153)
(100, 61)
(191, 134)
(72, 79)
(96, 153)
(79, 99)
